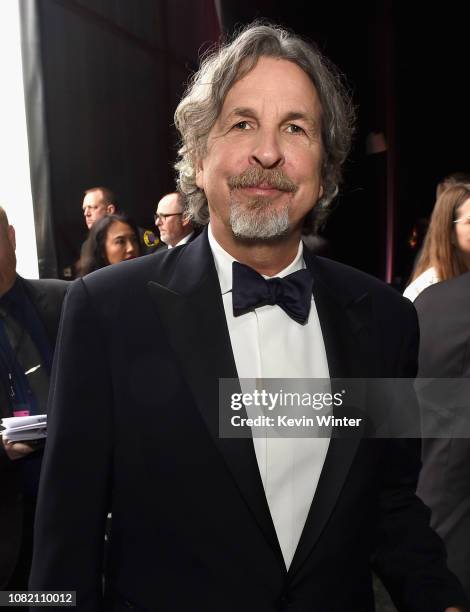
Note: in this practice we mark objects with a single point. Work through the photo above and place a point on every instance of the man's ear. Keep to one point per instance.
(320, 194)
(12, 237)
(200, 174)
(110, 209)
(185, 219)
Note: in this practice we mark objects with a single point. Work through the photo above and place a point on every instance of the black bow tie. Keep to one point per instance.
(293, 293)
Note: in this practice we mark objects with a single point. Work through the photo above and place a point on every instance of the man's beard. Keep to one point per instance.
(259, 218)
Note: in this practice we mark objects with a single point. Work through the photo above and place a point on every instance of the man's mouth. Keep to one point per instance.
(262, 190)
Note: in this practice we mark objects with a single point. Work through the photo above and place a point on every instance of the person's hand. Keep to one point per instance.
(17, 450)
(454, 610)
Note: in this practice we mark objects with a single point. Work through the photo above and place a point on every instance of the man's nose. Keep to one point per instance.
(267, 149)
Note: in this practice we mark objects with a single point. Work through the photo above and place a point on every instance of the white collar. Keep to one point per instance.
(182, 241)
(223, 263)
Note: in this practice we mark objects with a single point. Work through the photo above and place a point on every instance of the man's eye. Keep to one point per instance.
(242, 125)
(292, 128)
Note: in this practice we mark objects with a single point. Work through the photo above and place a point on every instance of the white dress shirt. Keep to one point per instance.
(182, 241)
(267, 343)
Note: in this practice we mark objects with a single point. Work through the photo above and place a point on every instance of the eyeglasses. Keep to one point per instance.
(465, 219)
(163, 216)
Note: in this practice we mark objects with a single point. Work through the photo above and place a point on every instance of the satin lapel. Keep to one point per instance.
(190, 305)
(347, 335)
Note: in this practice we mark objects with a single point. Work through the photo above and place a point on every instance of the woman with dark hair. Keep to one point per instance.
(446, 248)
(113, 239)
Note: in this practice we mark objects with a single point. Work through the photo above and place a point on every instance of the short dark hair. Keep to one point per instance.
(93, 255)
(109, 196)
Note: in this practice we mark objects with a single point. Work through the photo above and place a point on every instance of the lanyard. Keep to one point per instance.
(19, 393)
(12, 388)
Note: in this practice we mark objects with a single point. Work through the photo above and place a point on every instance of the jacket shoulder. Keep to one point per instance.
(47, 284)
(350, 284)
(124, 276)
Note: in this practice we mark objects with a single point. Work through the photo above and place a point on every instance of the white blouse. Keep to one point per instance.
(426, 279)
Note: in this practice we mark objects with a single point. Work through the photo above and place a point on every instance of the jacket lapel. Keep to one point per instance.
(47, 297)
(190, 305)
(348, 337)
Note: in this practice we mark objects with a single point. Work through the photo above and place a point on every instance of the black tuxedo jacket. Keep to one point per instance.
(444, 483)
(141, 349)
(47, 297)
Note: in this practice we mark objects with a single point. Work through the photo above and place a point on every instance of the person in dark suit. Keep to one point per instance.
(29, 320)
(98, 203)
(173, 222)
(444, 483)
(206, 522)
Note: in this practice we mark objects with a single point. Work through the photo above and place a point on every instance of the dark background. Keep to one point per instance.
(114, 70)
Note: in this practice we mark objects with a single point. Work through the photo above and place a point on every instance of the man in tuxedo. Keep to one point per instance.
(444, 482)
(173, 221)
(29, 320)
(203, 522)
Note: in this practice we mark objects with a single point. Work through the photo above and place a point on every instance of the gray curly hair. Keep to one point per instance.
(202, 103)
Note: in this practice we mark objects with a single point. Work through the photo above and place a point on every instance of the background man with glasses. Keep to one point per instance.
(172, 221)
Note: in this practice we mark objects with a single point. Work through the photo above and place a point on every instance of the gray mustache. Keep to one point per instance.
(253, 177)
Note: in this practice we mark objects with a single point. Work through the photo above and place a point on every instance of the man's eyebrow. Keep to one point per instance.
(240, 111)
(246, 111)
(296, 116)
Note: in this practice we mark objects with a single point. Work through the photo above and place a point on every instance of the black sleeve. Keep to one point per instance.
(73, 497)
(410, 557)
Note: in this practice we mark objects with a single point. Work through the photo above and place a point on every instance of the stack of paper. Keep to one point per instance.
(25, 428)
